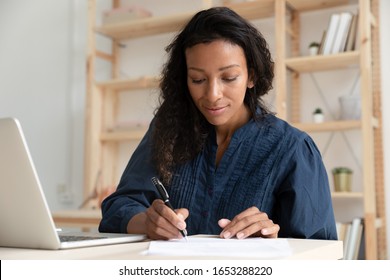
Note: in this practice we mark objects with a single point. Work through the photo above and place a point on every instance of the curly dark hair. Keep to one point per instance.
(180, 128)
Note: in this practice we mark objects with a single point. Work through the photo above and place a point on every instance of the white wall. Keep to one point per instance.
(37, 85)
(42, 70)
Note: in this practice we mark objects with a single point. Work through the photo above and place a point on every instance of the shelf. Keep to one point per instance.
(165, 24)
(347, 195)
(144, 27)
(323, 62)
(123, 135)
(129, 84)
(329, 126)
(170, 23)
(309, 5)
(254, 9)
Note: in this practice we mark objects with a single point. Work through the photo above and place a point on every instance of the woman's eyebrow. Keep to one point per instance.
(220, 69)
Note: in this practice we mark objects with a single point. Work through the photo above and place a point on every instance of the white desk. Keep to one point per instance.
(301, 249)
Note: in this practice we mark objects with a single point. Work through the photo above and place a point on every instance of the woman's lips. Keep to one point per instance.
(216, 110)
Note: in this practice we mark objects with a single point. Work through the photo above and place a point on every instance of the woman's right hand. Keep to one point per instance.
(159, 222)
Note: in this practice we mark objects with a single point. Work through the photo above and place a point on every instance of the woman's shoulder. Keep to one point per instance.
(278, 134)
(273, 124)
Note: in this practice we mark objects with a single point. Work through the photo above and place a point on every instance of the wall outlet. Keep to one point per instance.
(64, 194)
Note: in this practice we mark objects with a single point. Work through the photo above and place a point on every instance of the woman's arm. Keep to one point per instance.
(303, 207)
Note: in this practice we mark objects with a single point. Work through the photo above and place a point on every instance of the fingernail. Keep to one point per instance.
(226, 234)
(240, 235)
(181, 225)
(264, 231)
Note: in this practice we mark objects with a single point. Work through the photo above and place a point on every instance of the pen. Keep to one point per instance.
(165, 197)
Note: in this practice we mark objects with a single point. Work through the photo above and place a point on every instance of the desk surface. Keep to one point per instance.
(301, 249)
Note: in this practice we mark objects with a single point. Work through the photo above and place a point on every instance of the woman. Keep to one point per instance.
(230, 166)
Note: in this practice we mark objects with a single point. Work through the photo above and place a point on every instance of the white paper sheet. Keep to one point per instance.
(263, 248)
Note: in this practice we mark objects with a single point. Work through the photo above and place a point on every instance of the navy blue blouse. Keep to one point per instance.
(270, 165)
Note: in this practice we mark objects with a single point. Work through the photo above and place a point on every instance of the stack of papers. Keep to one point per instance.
(218, 247)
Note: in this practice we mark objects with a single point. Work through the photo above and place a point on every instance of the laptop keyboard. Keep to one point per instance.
(71, 238)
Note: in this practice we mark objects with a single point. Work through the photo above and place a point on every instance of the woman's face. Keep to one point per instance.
(217, 80)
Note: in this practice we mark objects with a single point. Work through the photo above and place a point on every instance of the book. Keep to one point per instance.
(321, 47)
(362, 246)
(342, 32)
(358, 242)
(346, 240)
(330, 33)
(352, 34)
(354, 237)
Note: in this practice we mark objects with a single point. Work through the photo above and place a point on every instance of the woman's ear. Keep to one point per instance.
(251, 82)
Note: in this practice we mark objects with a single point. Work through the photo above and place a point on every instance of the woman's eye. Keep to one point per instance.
(197, 81)
(230, 79)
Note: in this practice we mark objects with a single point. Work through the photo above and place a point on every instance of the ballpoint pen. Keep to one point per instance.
(165, 197)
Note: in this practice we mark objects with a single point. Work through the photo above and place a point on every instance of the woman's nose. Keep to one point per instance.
(214, 91)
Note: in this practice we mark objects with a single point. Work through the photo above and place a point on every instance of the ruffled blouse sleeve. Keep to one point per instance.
(303, 206)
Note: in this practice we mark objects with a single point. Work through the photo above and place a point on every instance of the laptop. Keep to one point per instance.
(25, 218)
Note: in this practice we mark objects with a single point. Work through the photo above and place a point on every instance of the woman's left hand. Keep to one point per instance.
(251, 222)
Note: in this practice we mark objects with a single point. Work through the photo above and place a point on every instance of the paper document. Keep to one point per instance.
(214, 246)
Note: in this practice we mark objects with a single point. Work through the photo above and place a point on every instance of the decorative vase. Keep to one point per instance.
(342, 178)
(350, 108)
(313, 50)
(318, 118)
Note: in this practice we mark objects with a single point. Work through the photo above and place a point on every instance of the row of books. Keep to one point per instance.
(340, 36)
(352, 235)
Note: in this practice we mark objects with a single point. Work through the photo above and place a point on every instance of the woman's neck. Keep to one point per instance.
(225, 133)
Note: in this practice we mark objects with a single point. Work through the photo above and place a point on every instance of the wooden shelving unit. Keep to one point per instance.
(164, 24)
(129, 84)
(368, 125)
(328, 126)
(323, 62)
(101, 141)
(347, 195)
(116, 136)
